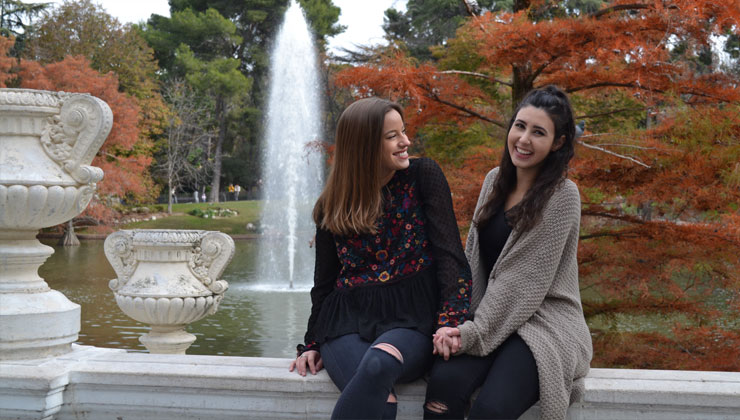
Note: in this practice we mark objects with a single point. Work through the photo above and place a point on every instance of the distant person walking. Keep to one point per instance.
(237, 190)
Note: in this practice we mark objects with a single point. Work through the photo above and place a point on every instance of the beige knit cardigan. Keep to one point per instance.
(533, 290)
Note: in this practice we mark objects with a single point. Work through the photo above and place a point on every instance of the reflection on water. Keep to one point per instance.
(255, 318)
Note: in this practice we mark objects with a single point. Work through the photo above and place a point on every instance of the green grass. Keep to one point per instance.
(249, 212)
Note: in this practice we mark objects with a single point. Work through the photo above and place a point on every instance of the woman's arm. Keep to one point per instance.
(326, 270)
(525, 275)
(453, 272)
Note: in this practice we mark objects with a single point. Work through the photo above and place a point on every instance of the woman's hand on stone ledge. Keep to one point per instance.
(310, 359)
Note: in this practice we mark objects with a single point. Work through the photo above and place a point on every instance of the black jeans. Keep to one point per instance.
(366, 375)
(508, 379)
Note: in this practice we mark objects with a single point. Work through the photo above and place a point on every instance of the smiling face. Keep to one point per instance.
(394, 145)
(531, 138)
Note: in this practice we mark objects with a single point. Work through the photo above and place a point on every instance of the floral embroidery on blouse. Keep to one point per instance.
(456, 308)
(399, 249)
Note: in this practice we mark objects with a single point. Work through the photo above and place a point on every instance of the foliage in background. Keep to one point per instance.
(77, 47)
(427, 23)
(256, 24)
(126, 170)
(82, 28)
(16, 21)
(199, 47)
(657, 167)
(182, 160)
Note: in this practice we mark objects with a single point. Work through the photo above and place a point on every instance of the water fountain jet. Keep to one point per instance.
(292, 168)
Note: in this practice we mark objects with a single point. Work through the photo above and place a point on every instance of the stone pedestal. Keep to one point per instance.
(47, 142)
(168, 278)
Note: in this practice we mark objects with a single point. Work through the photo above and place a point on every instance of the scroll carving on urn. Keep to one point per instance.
(67, 137)
(168, 278)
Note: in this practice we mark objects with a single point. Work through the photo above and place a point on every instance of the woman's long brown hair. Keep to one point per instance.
(352, 200)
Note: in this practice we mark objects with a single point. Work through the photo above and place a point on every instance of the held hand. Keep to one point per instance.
(447, 341)
(439, 346)
(310, 359)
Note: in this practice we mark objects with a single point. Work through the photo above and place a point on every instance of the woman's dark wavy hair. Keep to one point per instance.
(553, 171)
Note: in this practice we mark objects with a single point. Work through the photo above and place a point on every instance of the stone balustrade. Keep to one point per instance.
(97, 383)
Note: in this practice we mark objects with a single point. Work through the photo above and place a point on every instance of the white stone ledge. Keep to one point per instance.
(92, 383)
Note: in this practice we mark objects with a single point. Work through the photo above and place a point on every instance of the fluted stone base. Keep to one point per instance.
(35, 321)
(37, 325)
(167, 339)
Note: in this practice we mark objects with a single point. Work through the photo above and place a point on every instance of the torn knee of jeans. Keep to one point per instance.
(436, 407)
(390, 349)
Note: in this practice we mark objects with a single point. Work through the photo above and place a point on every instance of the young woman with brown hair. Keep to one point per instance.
(527, 339)
(390, 268)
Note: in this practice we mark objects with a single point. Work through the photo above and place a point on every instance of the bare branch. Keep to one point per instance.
(615, 111)
(612, 234)
(606, 214)
(632, 146)
(473, 9)
(596, 134)
(644, 88)
(631, 159)
(481, 75)
(460, 108)
(617, 8)
(604, 84)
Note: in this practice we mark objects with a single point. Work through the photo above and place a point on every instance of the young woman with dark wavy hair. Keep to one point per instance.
(527, 339)
(390, 268)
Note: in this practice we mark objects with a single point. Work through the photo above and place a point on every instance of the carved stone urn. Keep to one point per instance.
(47, 143)
(168, 279)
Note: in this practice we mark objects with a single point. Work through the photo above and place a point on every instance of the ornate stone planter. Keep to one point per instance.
(47, 142)
(168, 278)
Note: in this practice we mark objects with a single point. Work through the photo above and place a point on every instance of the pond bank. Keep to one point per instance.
(102, 236)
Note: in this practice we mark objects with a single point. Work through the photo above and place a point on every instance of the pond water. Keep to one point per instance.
(254, 319)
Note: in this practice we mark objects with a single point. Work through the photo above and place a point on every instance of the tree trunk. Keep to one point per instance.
(521, 84)
(69, 238)
(170, 193)
(520, 5)
(222, 126)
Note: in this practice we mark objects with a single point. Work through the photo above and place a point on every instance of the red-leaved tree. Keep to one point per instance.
(657, 168)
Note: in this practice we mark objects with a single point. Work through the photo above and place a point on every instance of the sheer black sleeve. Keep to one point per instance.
(325, 274)
(453, 272)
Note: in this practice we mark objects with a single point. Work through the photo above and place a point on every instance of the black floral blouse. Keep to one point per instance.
(411, 274)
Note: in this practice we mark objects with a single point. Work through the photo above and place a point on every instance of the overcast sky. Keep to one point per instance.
(363, 18)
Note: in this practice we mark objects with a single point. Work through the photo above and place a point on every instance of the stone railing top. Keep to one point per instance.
(107, 383)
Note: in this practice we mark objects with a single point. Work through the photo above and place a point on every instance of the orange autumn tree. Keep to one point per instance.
(657, 167)
(124, 157)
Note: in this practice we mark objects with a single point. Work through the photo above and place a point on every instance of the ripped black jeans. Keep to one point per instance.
(508, 379)
(366, 374)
